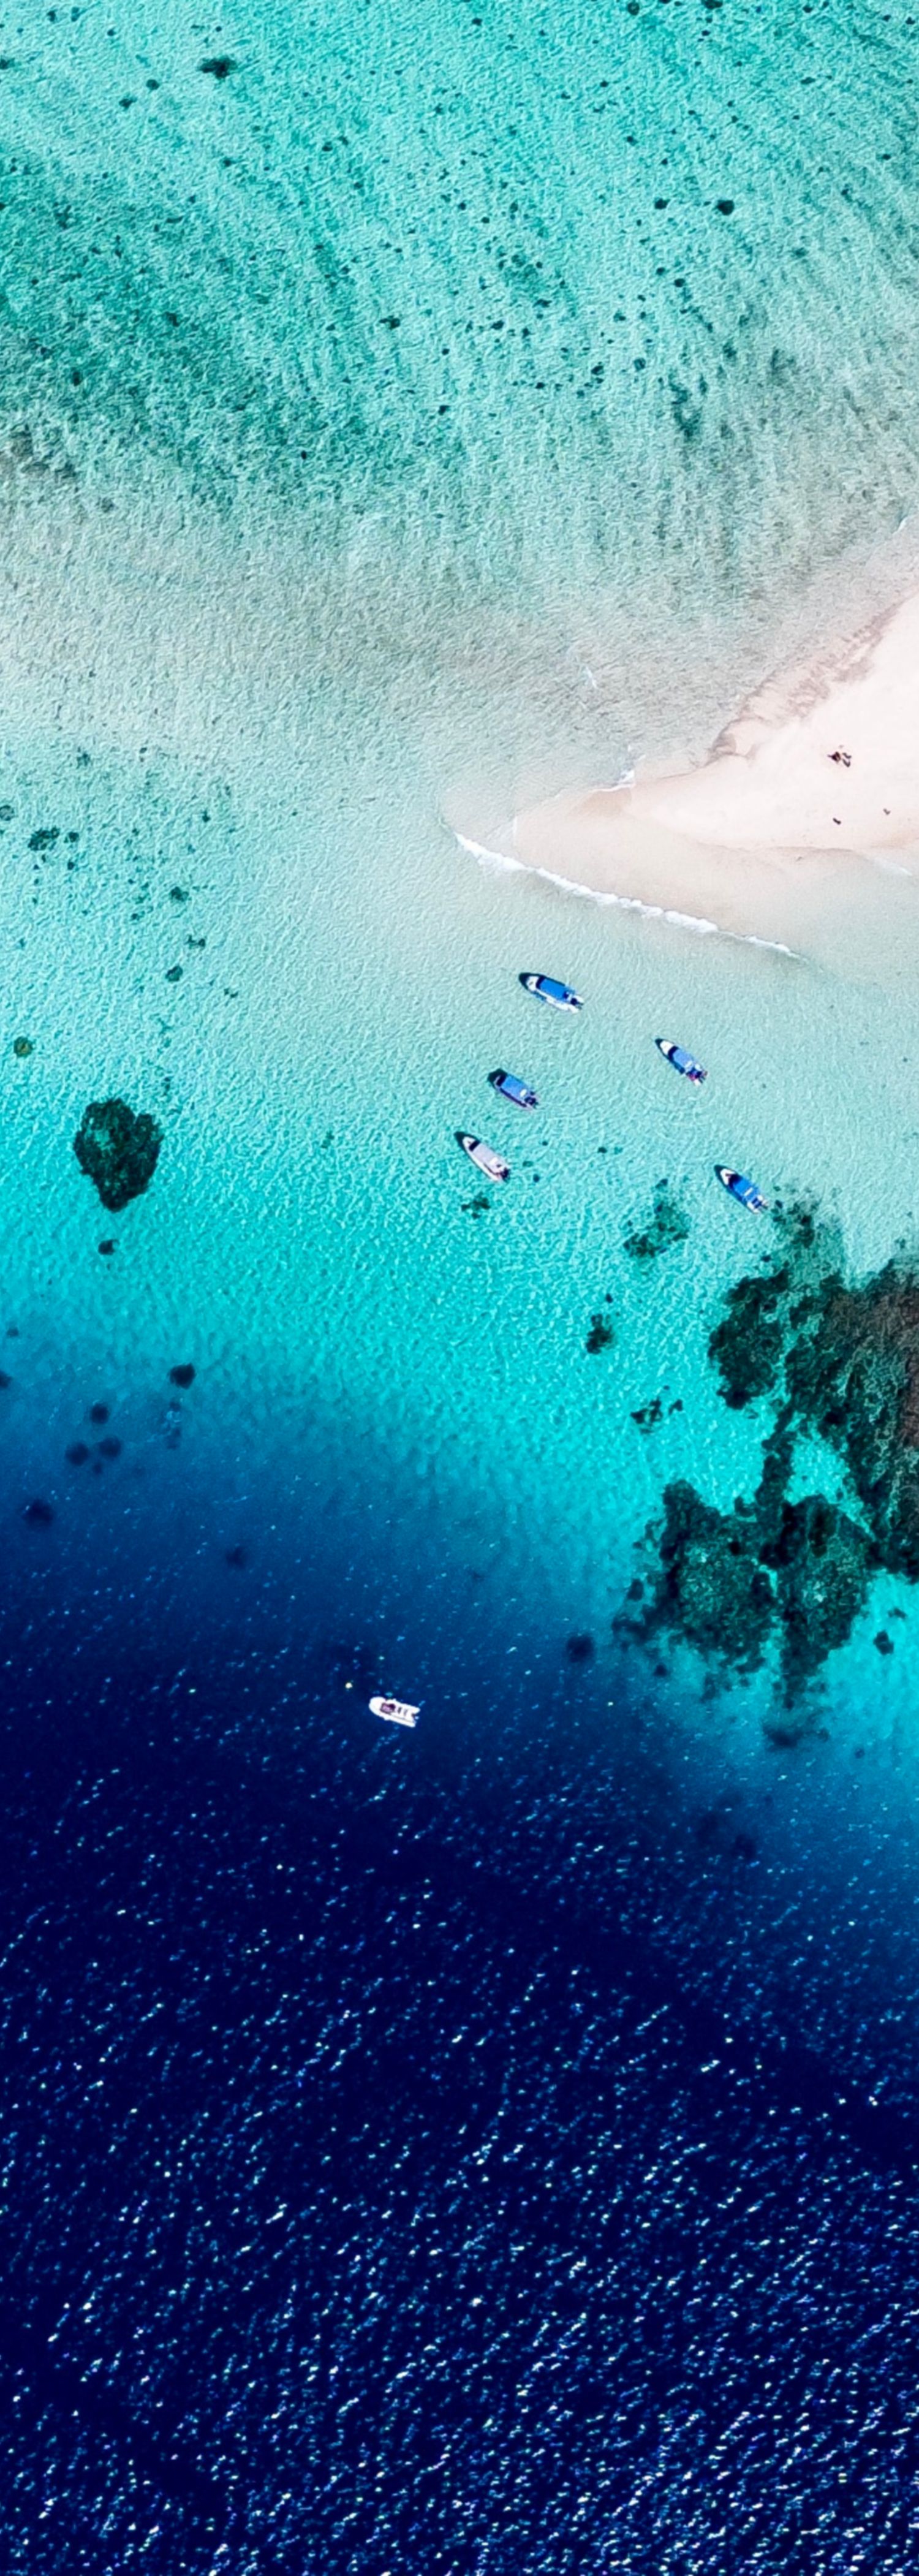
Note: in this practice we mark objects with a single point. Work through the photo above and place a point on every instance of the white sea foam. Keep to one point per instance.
(503, 861)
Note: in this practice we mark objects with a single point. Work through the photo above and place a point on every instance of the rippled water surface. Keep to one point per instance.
(493, 2147)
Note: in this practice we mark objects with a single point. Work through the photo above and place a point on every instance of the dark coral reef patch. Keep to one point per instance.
(748, 1345)
(668, 1225)
(580, 1648)
(117, 1148)
(788, 1573)
(853, 1377)
(710, 1588)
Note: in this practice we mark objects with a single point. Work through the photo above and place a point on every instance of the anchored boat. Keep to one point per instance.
(742, 1189)
(399, 1711)
(562, 997)
(484, 1157)
(513, 1089)
(681, 1062)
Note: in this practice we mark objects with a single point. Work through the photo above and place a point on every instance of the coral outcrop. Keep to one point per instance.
(117, 1148)
(784, 1572)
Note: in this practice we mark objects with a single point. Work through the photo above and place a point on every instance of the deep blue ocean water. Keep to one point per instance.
(491, 2148)
(428, 2161)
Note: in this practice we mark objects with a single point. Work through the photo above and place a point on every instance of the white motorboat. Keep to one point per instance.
(399, 1711)
(484, 1157)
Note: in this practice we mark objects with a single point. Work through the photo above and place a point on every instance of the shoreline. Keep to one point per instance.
(695, 922)
(807, 803)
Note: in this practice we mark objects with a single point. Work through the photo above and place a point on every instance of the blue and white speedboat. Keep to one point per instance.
(742, 1189)
(547, 990)
(681, 1062)
(484, 1157)
(510, 1085)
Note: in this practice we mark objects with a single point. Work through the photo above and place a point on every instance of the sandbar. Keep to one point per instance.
(809, 797)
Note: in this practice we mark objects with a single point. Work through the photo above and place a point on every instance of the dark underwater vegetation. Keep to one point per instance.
(668, 1226)
(840, 1361)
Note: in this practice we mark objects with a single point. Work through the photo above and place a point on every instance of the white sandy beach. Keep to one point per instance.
(769, 838)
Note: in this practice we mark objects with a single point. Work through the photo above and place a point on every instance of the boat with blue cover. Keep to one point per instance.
(546, 989)
(742, 1189)
(484, 1157)
(680, 1060)
(513, 1089)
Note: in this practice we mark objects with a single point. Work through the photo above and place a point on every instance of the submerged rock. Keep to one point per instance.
(117, 1148)
(601, 1333)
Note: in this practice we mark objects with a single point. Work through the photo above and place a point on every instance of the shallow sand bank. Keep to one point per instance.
(770, 836)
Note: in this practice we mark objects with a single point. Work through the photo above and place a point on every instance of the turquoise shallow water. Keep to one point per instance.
(387, 1378)
(452, 300)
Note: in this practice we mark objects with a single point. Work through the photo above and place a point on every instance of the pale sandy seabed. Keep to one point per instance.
(800, 828)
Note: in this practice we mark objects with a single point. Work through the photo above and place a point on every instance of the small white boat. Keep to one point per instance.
(484, 1157)
(399, 1711)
